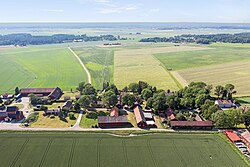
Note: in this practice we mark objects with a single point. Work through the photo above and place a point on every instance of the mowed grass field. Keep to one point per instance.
(133, 65)
(100, 63)
(219, 65)
(39, 67)
(100, 150)
(237, 73)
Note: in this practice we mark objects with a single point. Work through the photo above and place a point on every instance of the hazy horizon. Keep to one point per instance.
(100, 11)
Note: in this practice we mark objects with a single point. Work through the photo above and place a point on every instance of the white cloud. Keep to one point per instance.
(108, 11)
(114, 9)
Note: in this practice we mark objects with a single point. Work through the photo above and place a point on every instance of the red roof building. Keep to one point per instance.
(113, 122)
(232, 136)
(139, 116)
(53, 93)
(205, 125)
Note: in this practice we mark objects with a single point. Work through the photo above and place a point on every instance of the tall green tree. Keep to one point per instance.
(129, 100)
(109, 99)
(142, 85)
(17, 91)
(134, 87)
(80, 87)
(88, 90)
(146, 93)
(229, 88)
(218, 91)
(246, 118)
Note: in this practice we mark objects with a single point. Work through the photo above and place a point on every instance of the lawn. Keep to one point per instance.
(39, 67)
(133, 65)
(100, 63)
(47, 122)
(101, 150)
(90, 118)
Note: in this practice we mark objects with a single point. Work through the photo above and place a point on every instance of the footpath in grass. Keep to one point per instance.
(69, 149)
(99, 62)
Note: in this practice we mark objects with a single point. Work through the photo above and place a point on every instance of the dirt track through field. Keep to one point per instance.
(84, 67)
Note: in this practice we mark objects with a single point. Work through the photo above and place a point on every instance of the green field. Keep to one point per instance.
(43, 66)
(221, 64)
(133, 65)
(100, 150)
(214, 54)
(237, 73)
(100, 63)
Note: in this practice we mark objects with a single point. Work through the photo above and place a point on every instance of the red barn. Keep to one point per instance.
(53, 93)
(14, 113)
(113, 122)
(139, 116)
(204, 125)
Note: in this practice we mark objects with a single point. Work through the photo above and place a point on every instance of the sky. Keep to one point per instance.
(226, 11)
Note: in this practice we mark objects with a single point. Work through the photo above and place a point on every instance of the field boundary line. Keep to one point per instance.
(176, 81)
(19, 152)
(179, 155)
(45, 153)
(72, 151)
(98, 153)
(151, 152)
(84, 67)
(125, 153)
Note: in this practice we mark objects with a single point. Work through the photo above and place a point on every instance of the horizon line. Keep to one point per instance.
(97, 22)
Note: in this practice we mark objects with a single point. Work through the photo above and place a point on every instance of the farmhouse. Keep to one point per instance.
(53, 93)
(224, 103)
(11, 112)
(113, 122)
(205, 125)
(139, 116)
(232, 136)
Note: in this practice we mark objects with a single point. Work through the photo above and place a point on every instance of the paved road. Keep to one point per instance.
(84, 67)
(77, 124)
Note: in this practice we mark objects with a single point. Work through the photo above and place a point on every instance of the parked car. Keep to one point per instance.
(239, 143)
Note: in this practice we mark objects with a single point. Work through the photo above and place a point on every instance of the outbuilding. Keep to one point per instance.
(113, 122)
(232, 136)
(197, 125)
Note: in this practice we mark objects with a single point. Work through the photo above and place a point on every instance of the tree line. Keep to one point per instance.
(24, 39)
(203, 39)
(196, 98)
